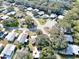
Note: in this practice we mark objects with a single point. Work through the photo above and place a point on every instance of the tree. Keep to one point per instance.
(64, 23)
(24, 54)
(30, 22)
(47, 53)
(42, 41)
(10, 22)
(12, 1)
(39, 32)
(75, 31)
(57, 38)
(10, 9)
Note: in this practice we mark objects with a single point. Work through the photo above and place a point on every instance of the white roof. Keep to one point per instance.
(4, 17)
(60, 17)
(8, 50)
(75, 49)
(22, 38)
(41, 12)
(68, 38)
(1, 25)
(53, 15)
(11, 13)
(72, 49)
(29, 9)
(11, 36)
(36, 10)
(45, 16)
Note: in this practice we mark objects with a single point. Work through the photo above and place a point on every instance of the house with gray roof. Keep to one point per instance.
(68, 38)
(22, 38)
(71, 50)
(41, 13)
(11, 36)
(45, 16)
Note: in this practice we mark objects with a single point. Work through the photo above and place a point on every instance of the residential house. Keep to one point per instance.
(11, 13)
(71, 50)
(11, 36)
(68, 30)
(45, 16)
(22, 38)
(8, 51)
(60, 17)
(29, 9)
(68, 38)
(53, 16)
(4, 17)
(37, 10)
(41, 13)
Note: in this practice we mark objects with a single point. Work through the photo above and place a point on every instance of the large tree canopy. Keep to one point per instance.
(57, 38)
(47, 53)
(42, 41)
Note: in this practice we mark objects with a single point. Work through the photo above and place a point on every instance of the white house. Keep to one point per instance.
(11, 13)
(45, 16)
(60, 17)
(68, 38)
(41, 12)
(11, 36)
(8, 51)
(71, 49)
(53, 16)
(29, 9)
(4, 17)
(22, 38)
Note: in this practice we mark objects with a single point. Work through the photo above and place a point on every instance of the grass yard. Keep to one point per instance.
(4, 42)
(42, 21)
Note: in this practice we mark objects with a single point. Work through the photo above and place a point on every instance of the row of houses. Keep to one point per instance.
(37, 13)
(22, 38)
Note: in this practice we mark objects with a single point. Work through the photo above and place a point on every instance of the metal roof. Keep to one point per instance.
(8, 50)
